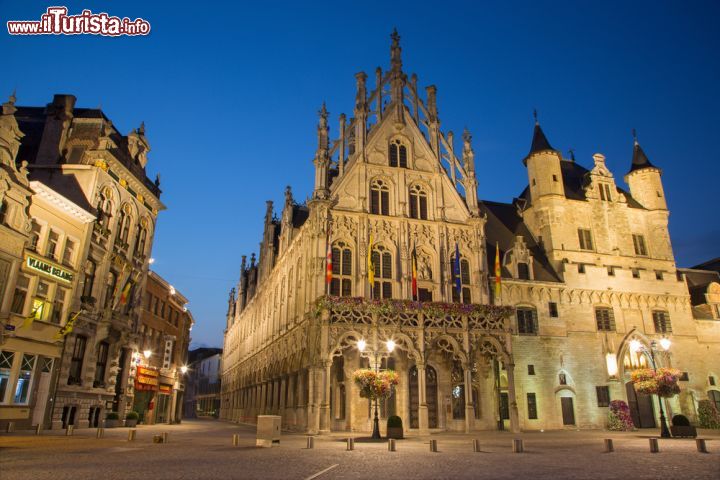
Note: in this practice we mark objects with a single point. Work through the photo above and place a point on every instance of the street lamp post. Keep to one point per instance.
(376, 353)
(665, 344)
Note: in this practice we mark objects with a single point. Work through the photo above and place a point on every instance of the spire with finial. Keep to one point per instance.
(539, 141)
(395, 51)
(639, 159)
(572, 154)
(141, 130)
(468, 153)
(322, 129)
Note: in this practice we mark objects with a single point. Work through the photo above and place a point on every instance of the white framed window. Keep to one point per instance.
(585, 239)
(6, 364)
(24, 381)
(379, 198)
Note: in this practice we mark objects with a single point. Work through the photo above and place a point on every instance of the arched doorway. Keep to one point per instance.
(641, 407)
(430, 397)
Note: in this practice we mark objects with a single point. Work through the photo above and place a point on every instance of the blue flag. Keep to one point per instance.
(456, 272)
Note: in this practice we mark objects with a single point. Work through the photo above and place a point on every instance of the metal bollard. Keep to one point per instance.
(391, 444)
(518, 446)
(654, 447)
(10, 427)
(700, 444)
(69, 430)
(131, 435)
(236, 439)
(165, 437)
(350, 444)
(476, 445)
(38, 429)
(609, 445)
(100, 432)
(310, 442)
(433, 445)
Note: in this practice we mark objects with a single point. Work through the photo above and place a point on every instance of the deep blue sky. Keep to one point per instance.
(229, 94)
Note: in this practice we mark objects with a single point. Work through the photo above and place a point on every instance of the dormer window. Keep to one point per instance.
(605, 192)
(397, 154)
(523, 271)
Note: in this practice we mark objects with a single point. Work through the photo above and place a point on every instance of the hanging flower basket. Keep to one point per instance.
(394, 306)
(374, 384)
(663, 382)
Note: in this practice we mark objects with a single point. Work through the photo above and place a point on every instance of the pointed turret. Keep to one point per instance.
(639, 159)
(543, 165)
(397, 77)
(644, 180)
(539, 141)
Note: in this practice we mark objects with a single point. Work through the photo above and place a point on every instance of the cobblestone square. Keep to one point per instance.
(204, 450)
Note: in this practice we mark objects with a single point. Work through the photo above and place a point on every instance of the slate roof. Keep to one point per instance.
(503, 225)
(575, 178)
(639, 159)
(698, 281)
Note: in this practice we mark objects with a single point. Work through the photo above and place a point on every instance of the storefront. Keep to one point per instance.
(146, 388)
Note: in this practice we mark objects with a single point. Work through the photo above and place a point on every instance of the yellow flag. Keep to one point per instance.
(370, 266)
(498, 273)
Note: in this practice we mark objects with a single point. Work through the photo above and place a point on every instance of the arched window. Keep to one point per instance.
(110, 290)
(379, 198)
(105, 208)
(397, 154)
(141, 239)
(527, 320)
(124, 224)
(464, 275)
(523, 271)
(341, 283)
(458, 391)
(382, 263)
(89, 279)
(418, 202)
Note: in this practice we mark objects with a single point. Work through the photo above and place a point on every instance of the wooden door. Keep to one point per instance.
(414, 398)
(641, 407)
(568, 411)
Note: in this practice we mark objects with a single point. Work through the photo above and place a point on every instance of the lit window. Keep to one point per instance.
(6, 363)
(24, 381)
(464, 274)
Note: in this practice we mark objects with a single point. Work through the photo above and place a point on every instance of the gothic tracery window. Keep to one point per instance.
(397, 154)
(341, 283)
(382, 263)
(379, 197)
(418, 202)
(464, 281)
(124, 225)
(105, 208)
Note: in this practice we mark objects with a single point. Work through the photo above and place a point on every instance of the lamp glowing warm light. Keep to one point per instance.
(147, 354)
(665, 343)
(390, 345)
(612, 365)
(184, 369)
(172, 290)
(635, 346)
(151, 261)
(361, 344)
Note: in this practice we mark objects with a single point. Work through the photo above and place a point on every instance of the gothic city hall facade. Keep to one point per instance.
(515, 316)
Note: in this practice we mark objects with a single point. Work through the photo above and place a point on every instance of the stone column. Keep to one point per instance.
(281, 403)
(315, 392)
(300, 404)
(263, 398)
(469, 410)
(423, 421)
(514, 417)
(325, 420)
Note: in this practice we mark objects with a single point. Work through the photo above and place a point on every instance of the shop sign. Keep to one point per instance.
(49, 269)
(146, 379)
(166, 389)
